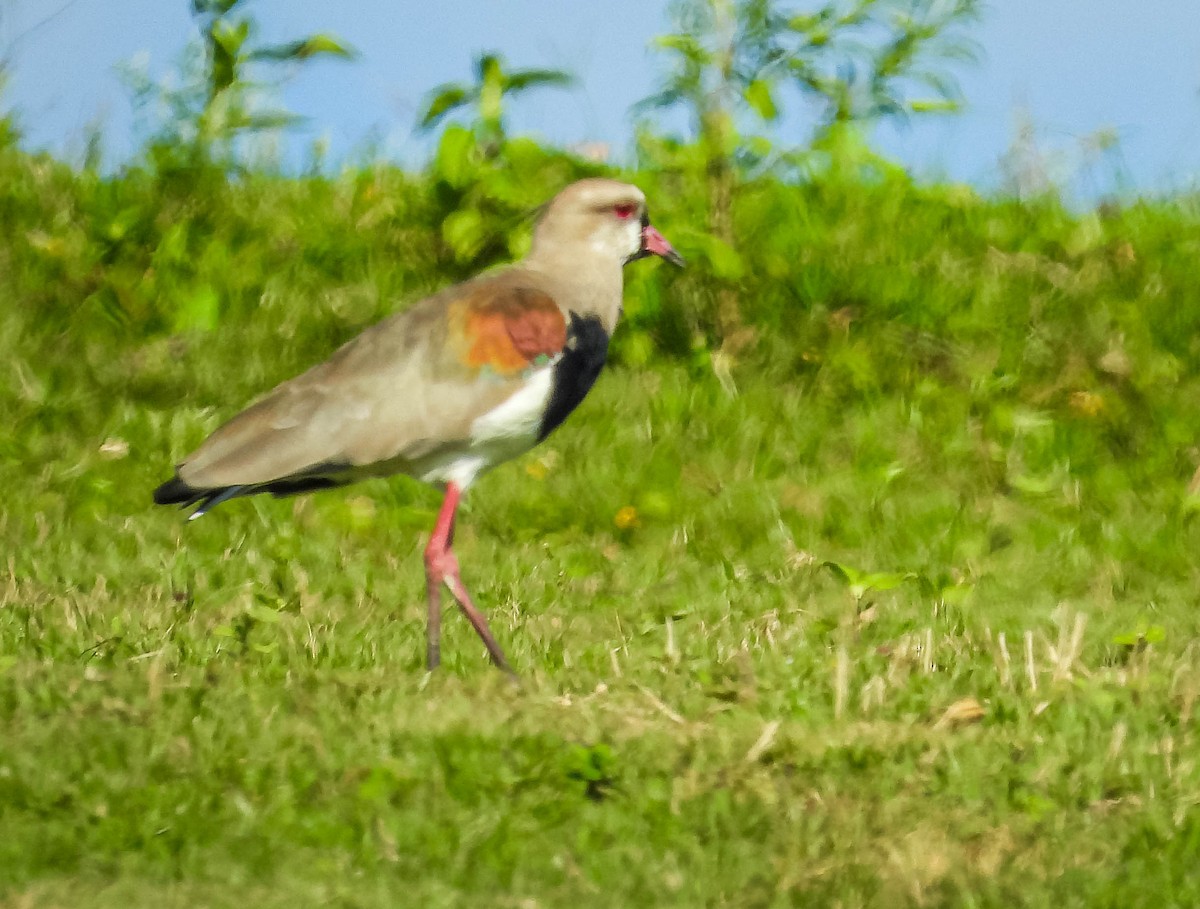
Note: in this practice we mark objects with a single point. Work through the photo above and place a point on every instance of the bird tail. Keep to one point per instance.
(176, 492)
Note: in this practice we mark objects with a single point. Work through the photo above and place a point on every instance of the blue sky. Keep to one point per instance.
(1068, 67)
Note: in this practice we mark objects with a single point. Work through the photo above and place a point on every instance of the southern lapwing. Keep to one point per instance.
(450, 387)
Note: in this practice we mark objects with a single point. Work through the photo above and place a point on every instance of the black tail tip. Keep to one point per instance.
(176, 492)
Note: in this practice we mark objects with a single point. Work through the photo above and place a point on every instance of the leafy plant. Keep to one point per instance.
(859, 583)
(724, 56)
(485, 182)
(486, 196)
(222, 93)
(592, 767)
(729, 63)
(1140, 638)
(229, 106)
(869, 59)
(493, 85)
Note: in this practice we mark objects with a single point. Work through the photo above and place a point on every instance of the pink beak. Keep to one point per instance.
(656, 243)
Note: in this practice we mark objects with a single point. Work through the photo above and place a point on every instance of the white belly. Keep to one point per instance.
(501, 434)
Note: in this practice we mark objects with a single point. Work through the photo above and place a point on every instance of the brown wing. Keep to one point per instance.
(506, 332)
(402, 390)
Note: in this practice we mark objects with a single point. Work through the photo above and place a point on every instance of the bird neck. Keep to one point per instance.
(581, 283)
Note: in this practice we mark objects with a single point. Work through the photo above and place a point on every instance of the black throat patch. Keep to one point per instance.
(583, 357)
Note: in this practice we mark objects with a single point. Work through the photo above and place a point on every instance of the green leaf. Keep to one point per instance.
(760, 146)
(885, 580)
(264, 614)
(213, 7)
(534, 78)
(859, 582)
(380, 783)
(1035, 805)
(685, 45)
(454, 162)
(198, 311)
(594, 767)
(1035, 486)
(463, 232)
(723, 260)
(758, 96)
(229, 36)
(726, 262)
(271, 119)
(108, 303)
(956, 594)
(933, 105)
(637, 348)
(1152, 634)
(668, 97)
(413, 517)
(313, 46)
(488, 68)
(442, 100)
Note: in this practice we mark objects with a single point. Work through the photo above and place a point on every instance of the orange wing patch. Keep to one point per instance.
(507, 331)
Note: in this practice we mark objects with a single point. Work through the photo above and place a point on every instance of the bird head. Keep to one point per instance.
(608, 218)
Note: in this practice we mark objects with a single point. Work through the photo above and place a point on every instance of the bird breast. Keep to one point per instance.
(505, 432)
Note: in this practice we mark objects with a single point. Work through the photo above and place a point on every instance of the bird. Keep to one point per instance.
(446, 389)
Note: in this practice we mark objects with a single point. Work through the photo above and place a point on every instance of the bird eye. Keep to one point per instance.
(625, 210)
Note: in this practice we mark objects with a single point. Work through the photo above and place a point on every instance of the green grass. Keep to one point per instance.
(910, 620)
(235, 711)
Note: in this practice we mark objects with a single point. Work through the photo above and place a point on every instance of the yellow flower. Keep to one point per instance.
(542, 466)
(1087, 403)
(626, 518)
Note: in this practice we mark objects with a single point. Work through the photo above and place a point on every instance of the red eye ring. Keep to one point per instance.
(625, 210)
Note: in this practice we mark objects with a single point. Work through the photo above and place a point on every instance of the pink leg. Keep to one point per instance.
(441, 566)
